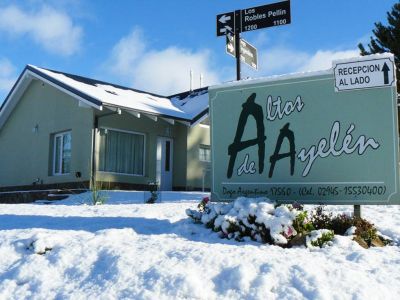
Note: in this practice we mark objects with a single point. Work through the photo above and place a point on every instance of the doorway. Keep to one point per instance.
(164, 163)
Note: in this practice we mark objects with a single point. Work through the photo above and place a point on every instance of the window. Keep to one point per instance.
(121, 152)
(204, 153)
(167, 155)
(206, 121)
(62, 153)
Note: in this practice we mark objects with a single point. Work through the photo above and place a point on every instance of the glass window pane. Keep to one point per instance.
(121, 152)
(204, 154)
(57, 156)
(167, 155)
(66, 153)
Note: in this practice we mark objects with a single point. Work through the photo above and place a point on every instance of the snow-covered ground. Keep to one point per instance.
(129, 250)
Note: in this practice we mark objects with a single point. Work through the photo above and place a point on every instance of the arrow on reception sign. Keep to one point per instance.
(385, 70)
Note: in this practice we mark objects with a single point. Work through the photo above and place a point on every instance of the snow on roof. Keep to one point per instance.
(187, 108)
(272, 78)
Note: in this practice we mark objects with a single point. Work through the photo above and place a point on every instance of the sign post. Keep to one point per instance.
(275, 14)
(237, 44)
(295, 138)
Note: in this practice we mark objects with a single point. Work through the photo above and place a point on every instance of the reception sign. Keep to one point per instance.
(294, 138)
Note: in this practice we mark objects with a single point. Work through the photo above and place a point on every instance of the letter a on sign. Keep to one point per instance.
(249, 108)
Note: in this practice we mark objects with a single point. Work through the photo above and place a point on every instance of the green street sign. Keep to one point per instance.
(294, 138)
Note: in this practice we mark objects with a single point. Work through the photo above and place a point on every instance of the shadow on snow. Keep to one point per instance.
(184, 228)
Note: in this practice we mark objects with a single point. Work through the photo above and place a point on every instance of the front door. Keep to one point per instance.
(164, 163)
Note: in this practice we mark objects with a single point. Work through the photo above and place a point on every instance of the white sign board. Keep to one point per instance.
(364, 73)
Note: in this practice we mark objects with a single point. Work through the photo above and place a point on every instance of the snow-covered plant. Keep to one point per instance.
(203, 204)
(362, 230)
(258, 219)
(98, 195)
(319, 238)
(153, 186)
(302, 224)
(262, 220)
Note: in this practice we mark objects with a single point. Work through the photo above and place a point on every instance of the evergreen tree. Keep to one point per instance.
(387, 39)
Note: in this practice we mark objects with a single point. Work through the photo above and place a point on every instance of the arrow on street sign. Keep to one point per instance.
(225, 18)
(225, 23)
(248, 53)
(227, 29)
(385, 70)
(253, 18)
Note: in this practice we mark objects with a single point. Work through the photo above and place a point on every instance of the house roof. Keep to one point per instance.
(188, 106)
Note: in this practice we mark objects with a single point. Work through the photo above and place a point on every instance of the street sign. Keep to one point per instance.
(293, 138)
(270, 15)
(230, 44)
(225, 23)
(233, 23)
(259, 17)
(248, 53)
(363, 73)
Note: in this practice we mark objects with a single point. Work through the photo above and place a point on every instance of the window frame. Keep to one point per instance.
(205, 147)
(61, 135)
(123, 131)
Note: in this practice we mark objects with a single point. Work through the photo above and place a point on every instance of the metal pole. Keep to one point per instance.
(191, 80)
(357, 211)
(237, 43)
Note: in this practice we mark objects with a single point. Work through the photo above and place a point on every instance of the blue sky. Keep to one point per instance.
(152, 45)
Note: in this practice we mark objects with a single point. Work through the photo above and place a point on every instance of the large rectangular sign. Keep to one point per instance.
(294, 138)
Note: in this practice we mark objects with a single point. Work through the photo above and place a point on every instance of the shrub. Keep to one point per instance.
(98, 195)
(341, 223)
(257, 219)
(153, 188)
(365, 230)
(284, 225)
(320, 219)
(320, 238)
(302, 224)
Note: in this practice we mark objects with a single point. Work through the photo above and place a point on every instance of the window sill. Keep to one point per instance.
(121, 174)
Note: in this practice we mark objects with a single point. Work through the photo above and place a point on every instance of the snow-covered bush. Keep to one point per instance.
(364, 232)
(262, 220)
(258, 219)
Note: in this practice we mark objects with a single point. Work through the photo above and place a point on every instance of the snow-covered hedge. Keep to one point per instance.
(258, 219)
(263, 220)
